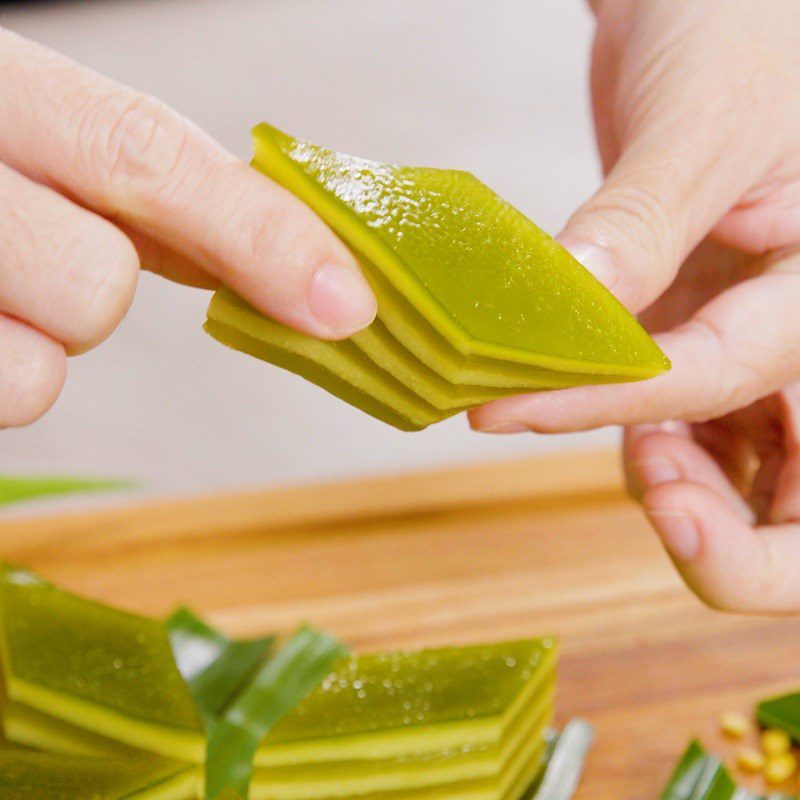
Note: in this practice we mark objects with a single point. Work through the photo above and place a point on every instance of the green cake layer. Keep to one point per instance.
(396, 704)
(28, 775)
(455, 765)
(99, 669)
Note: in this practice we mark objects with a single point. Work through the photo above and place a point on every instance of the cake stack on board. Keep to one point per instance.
(97, 695)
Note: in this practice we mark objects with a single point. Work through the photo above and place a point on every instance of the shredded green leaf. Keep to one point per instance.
(702, 776)
(280, 684)
(16, 489)
(214, 666)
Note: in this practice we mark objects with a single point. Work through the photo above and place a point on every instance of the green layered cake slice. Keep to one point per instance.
(91, 668)
(474, 301)
(28, 775)
(467, 764)
(338, 367)
(480, 272)
(100, 689)
(441, 722)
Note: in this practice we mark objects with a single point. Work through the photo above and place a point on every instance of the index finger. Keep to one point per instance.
(129, 157)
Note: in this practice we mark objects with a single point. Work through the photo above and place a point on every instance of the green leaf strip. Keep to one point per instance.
(566, 761)
(781, 712)
(16, 489)
(277, 687)
(214, 667)
(702, 776)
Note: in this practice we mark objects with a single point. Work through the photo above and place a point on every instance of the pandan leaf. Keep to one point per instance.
(565, 762)
(781, 712)
(15, 489)
(214, 666)
(283, 681)
(702, 776)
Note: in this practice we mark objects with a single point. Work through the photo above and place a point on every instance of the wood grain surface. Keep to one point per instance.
(544, 546)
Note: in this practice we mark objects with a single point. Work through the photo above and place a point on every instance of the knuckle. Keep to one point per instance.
(35, 385)
(279, 235)
(133, 146)
(259, 238)
(636, 213)
(108, 281)
(735, 378)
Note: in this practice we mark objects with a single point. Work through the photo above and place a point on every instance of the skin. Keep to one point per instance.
(97, 181)
(697, 227)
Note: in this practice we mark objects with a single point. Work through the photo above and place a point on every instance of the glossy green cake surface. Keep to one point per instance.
(401, 690)
(81, 649)
(460, 250)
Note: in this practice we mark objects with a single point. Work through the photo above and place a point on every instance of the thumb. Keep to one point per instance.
(689, 150)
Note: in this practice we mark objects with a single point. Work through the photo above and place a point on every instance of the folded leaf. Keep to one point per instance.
(565, 762)
(278, 686)
(214, 667)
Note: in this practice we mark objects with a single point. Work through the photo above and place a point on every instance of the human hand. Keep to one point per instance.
(97, 179)
(697, 112)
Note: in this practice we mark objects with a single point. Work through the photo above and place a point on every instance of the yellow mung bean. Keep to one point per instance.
(775, 742)
(750, 760)
(733, 724)
(780, 768)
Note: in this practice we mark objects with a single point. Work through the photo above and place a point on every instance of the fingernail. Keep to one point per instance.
(678, 532)
(507, 426)
(656, 470)
(597, 259)
(340, 298)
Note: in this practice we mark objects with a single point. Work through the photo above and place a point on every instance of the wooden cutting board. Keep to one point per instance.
(543, 546)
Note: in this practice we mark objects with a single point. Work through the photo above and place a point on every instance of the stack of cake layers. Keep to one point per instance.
(98, 696)
(474, 301)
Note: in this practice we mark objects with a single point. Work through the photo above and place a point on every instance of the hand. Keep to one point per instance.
(697, 109)
(97, 179)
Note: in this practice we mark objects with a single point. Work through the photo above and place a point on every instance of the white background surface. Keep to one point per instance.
(495, 87)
